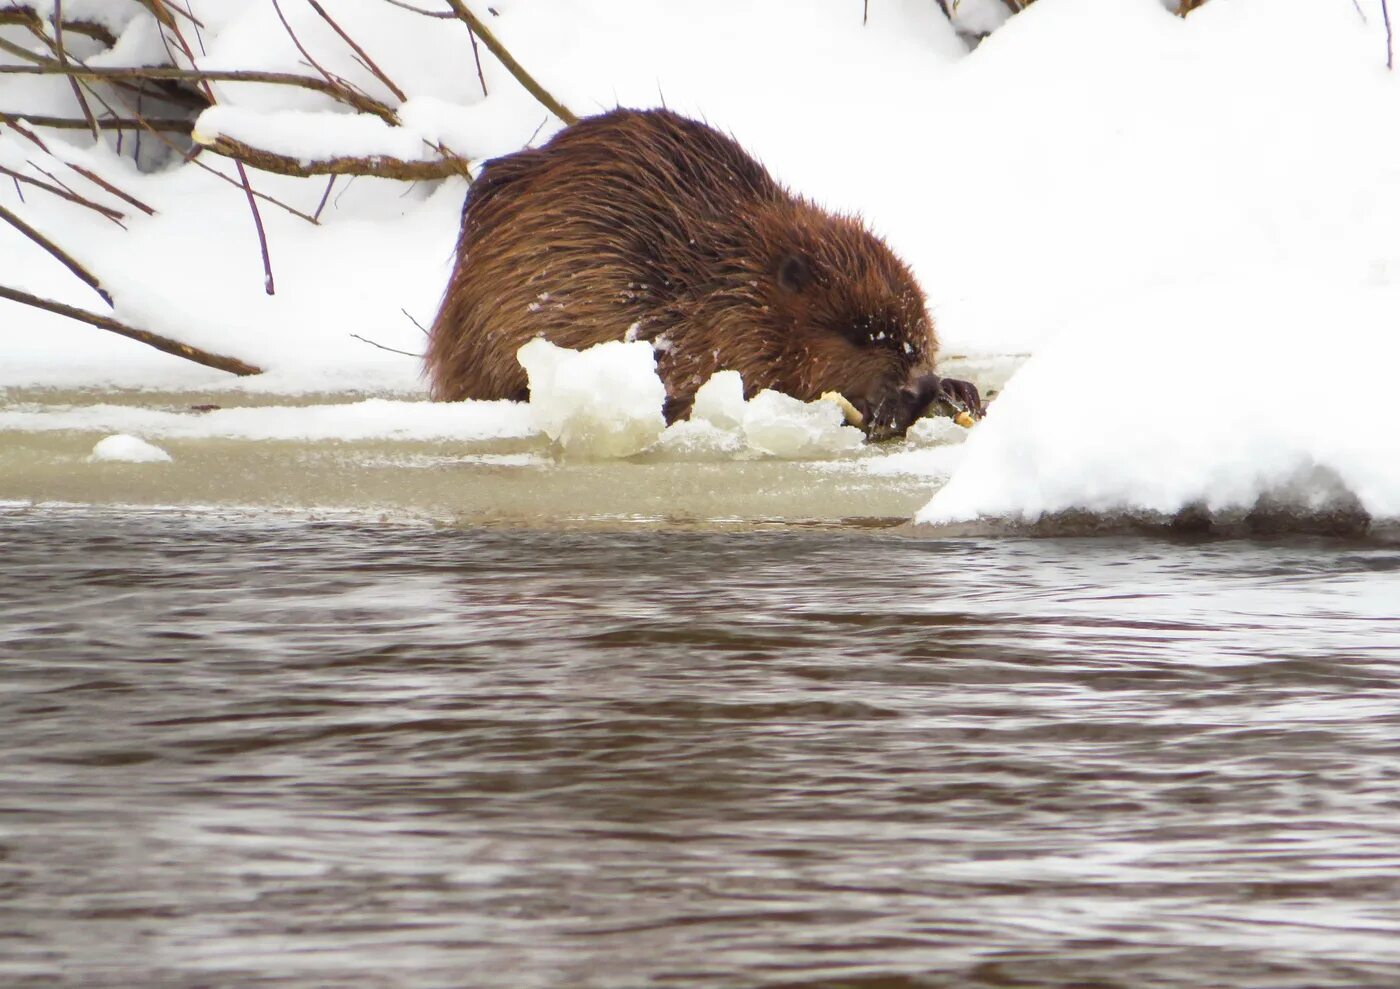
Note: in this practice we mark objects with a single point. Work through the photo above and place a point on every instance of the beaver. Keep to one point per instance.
(648, 225)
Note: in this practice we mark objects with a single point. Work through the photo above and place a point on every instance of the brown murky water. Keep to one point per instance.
(237, 751)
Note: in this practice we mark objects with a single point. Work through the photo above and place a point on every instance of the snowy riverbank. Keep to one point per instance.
(1188, 223)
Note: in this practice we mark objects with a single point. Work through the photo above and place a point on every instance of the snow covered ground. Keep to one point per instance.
(1188, 223)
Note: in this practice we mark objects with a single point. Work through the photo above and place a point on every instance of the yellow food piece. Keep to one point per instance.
(851, 413)
(964, 420)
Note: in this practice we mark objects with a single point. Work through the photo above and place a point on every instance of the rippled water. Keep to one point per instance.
(250, 752)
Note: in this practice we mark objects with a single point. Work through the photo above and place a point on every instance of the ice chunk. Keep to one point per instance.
(720, 401)
(700, 439)
(598, 403)
(786, 427)
(128, 449)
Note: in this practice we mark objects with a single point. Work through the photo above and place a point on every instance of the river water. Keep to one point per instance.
(246, 750)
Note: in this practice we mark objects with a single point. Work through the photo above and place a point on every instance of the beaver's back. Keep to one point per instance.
(620, 226)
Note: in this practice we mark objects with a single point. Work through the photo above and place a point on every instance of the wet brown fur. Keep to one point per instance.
(649, 225)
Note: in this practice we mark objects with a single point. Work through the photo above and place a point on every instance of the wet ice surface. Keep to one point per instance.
(463, 462)
(246, 752)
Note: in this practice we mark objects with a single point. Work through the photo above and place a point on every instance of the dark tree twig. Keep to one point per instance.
(63, 60)
(414, 321)
(476, 57)
(357, 101)
(102, 123)
(445, 14)
(92, 177)
(382, 347)
(1389, 37)
(364, 56)
(58, 253)
(325, 196)
(512, 66)
(61, 192)
(217, 361)
(269, 285)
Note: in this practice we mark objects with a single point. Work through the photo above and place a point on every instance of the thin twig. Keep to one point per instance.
(103, 123)
(217, 361)
(512, 66)
(336, 81)
(188, 156)
(63, 60)
(414, 321)
(1389, 37)
(368, 62)
(476, 57)
(61, 193)
(98, 180)
(445, 14)
(358, 101)
(325, 196)
(269, 285)
(18, 191)
(91, 176)
(62, 256)
(382, 347)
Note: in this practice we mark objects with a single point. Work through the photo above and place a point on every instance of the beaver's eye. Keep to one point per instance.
(794, 272)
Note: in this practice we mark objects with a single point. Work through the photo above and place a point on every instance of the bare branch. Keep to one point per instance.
(364, 56)
(330, 184)
(377, 166)
(476, 57)
(512, 66)
(414, 321)
(27, 17)
(445, 14)
(358, 101)
(103, 123)
(63, 61)
(1389, 37)
(57, 252)
(91, 176)
(382, 347)
(98, 180)
(217, 361)
(334, 80)
(63, 193)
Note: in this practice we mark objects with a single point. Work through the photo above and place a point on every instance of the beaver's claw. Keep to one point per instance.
(929, 388)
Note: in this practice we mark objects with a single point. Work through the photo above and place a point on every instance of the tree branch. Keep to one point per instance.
(217, 361)
(63, 193)
(364, 56)
(512, 66)
(26, 17)
(358, 101)
(377, 166)
(103, 123)
(62, 256)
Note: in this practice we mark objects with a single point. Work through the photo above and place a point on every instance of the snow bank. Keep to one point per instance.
(123, 448)
(1185, 221)
(1241, 393)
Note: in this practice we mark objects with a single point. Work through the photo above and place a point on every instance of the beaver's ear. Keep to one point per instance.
(794, 272)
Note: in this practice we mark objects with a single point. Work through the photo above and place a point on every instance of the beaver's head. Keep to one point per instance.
(852, 318)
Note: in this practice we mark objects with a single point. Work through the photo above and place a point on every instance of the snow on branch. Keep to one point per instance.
(379, 166)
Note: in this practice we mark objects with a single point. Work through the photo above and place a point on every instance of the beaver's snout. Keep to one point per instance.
(890, 413)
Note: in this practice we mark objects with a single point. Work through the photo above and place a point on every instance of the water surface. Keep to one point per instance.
(248, 751)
